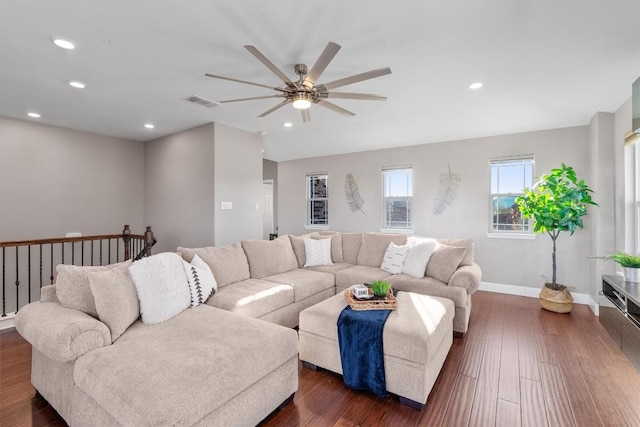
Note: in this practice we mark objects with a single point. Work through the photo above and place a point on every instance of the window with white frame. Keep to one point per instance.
(397, 195)
(509, 178)
(317, 200)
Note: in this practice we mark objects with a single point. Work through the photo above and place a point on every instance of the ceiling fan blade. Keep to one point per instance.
(355, 79)
(334, 107)
(361, 96)
(272, 109)
(306, 117)
(255, 52)
(243, 81)
(321, 63)
(250, 99)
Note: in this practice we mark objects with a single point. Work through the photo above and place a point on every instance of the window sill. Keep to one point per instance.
(517, 236)
(407, 231)
(317, 227)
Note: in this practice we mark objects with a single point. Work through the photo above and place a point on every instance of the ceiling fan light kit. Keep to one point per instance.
(304, 92)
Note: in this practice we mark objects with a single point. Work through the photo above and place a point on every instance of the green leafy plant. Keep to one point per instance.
(380, 288)
(556, 203)
(625, 259)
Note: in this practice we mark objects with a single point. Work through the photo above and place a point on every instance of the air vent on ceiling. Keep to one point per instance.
(202, 101)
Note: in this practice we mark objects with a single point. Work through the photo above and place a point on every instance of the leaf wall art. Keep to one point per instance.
(352, 194)
(447, 191)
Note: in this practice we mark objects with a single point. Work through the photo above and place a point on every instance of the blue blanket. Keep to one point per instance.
(361, 354)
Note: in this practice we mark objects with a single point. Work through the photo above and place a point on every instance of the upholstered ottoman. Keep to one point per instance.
(416, 340)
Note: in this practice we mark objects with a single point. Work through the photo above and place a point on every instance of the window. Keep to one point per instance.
(317, 200)
(509, 178)
(398, 193)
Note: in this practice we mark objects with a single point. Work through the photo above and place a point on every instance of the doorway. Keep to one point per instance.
(267, 208)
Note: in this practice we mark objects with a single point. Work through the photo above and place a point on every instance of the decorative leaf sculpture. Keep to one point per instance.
(447, 191)
(352, 194)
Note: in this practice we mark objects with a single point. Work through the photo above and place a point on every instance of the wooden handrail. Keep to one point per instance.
(67, 240)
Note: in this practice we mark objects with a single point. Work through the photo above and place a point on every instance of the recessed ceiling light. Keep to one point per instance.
(34, 115)
(149, 125)
(77, 84)
(287, 124)
(65, 44)
(476, 85)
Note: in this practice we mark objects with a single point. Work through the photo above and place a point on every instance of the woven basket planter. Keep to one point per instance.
(559, 301)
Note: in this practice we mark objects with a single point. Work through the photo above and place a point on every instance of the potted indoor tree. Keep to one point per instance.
(556, 203)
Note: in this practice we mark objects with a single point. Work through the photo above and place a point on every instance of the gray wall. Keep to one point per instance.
(270, 171)
(504, 261)
(189, 173)
(54, 181)
(179, 190)
(238, 179)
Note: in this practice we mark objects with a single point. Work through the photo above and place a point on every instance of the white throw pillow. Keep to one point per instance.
(201, 281)
(162, 287)
(394, 258)
(420, 251)
(317, 252)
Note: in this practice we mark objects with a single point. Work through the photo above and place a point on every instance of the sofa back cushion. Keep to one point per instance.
(269, 257)
(374, 246)
(228, 263)
(351, 243)
(462, 243)
(297, 243)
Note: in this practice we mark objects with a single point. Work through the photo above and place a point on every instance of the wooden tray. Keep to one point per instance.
(388, 303)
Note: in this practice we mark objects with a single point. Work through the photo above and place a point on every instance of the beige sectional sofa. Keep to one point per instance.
(218, 363)
(267, 279)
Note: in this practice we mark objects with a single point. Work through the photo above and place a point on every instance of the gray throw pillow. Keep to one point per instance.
(445, 261)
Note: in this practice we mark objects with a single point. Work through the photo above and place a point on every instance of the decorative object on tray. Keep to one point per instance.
(352, 194)
(447, 190)
(372, 302)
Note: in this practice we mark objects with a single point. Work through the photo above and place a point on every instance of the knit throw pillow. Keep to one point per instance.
(317, 252)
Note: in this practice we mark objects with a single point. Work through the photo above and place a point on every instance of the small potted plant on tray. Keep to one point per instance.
(380, 288)
(630, 265)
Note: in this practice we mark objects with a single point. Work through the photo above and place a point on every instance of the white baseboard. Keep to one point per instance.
(525, 291)
(7, 321)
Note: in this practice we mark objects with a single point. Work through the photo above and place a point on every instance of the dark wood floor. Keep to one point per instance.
(517, 365)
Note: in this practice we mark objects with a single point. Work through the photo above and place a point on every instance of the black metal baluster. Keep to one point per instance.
(101, 245)
(40, 265)
(4, 275)
(51, 264)
(17, 280)
(82, 249)
(117, 250)
(109, 250)
(62, 244)
(29, 272)
(92, 245)
(73, 253)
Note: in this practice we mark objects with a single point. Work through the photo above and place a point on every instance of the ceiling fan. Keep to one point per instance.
(305, 91)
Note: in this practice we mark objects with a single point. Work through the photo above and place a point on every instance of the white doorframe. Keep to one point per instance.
(267, 208)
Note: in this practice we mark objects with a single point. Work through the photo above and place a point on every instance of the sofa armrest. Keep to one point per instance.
(468, 277)
(62, 334)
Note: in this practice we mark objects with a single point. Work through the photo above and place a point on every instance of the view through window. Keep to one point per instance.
(398, 194)
(317, 200)
(509, 178)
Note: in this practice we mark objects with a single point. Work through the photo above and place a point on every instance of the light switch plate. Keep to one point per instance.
(226, 205)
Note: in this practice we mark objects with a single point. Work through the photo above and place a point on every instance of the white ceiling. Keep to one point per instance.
(544, 63)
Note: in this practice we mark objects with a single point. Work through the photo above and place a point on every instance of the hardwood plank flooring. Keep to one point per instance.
(517, 365)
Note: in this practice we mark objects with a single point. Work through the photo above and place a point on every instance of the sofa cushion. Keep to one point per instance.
(394, 258)
(429, 286)
(162, 287)
(374, 246)
(228, 263)
(351, 243)
(336, 244)
(253, 297)
(192, 365)
(305, 283)
(420, 251)
(330, 268)
(200, 279)
(268, 257)
(463, 243)
(72, 286)
(358, 274)
(116, 299)
(445, 261)
(317, 252)
(297, 243)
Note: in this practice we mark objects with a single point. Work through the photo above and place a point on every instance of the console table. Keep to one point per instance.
(624, 295)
